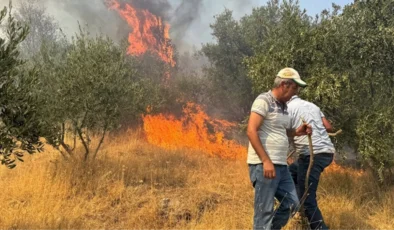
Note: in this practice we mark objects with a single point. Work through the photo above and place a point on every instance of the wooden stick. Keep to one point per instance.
(335, 134)
(310, 159)
(291, 154)
(329, 134)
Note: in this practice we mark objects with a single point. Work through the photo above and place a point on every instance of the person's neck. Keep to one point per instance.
(276, 93)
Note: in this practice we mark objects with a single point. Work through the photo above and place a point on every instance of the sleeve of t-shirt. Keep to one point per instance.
(260, 106)
(292, 116)
(321, 114)
(293, 122)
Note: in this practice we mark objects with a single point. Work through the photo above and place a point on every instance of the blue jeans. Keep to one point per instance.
(281, 188)
(293, 168)
(298, 172)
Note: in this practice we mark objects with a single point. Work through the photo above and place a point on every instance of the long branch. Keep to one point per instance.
(335, 134)
(308, 172)
(311, 160)
(66, 147)
(63, 132)
(100, 143)
(79, 131)
(62, 143)
(75, 140)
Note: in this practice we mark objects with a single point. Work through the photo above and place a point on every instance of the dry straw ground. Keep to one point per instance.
(135, 185)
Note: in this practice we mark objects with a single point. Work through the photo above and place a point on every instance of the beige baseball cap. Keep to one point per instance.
(290, 73)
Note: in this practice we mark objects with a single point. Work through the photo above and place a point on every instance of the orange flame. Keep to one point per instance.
(336, 168)
(194, 130)
(149, 31)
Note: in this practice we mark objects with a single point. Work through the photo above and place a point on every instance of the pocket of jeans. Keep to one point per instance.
(256, 174)
(252, 174)
(261, 178)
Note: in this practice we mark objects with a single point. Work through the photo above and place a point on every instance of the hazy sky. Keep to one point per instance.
(201, 32)
(94, 13)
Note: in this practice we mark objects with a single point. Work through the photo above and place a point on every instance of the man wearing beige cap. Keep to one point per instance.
(268, 131)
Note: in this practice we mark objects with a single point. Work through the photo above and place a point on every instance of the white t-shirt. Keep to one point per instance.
(312, 114)
(272, 132)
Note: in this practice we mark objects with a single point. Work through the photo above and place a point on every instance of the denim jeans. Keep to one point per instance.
(281, 188)
(293, 168)
(298, 172)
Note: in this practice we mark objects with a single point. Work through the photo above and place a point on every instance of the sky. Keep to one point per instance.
(201, 32)
(315, 6)
(68, 13)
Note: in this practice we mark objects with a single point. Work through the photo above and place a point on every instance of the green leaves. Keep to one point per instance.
(346, 58)
(227, 76)
(87, 90)
(20, 127)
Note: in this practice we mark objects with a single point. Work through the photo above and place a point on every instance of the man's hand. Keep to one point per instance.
(269, 170)
(290, 160)
(304, 129)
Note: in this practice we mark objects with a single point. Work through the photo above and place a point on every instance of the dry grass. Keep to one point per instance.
(136, 185)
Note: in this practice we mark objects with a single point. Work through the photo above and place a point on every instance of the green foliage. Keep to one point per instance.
(345, 56)
(370, 52)
(87, 88)
(229, 88)
(20, 123)
(284, 42)
(153, 73)
(42, 27)
(91, 85)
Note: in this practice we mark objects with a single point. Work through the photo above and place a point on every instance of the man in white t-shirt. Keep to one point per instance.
(323, 151)
(268, 131)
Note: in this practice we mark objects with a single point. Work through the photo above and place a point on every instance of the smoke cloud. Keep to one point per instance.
(185, 14)
(189, 19)
(157, 7)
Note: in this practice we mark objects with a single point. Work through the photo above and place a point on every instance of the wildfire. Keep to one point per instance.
(149, 32)
(336, 168)
(194, 130)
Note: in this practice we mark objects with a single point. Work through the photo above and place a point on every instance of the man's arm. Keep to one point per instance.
(303, 129)
(327, 124)
(255, 121)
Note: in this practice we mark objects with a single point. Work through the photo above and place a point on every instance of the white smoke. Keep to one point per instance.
(189, 19)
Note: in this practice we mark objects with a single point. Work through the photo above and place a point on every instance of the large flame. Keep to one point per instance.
(149, 32)
(194, 130)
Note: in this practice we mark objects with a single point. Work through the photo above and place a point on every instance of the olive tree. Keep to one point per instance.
(88, 88)
(20, 123)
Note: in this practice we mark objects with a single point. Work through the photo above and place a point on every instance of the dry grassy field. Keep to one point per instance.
(134, 185)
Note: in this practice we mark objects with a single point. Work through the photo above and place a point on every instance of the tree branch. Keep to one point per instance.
(100, 143)
(80, 134)
(66, 147)
(79, 131)
(75, 140)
